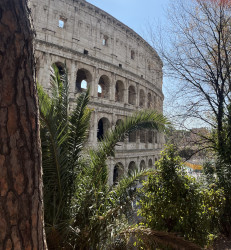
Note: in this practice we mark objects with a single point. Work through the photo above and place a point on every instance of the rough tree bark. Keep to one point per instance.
(21, 204)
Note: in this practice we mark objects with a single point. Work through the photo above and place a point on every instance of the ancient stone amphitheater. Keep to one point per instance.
(123, 72)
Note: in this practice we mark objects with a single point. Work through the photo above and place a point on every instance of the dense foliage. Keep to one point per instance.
(81, 210)
(175, 202)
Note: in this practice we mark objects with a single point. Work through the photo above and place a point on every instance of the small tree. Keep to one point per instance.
(175, 202)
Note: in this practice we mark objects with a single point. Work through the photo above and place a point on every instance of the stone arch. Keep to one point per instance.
(132, 136)
(83, 80)
(155, 137)
(150, 164)
(142, 165)
(119, 91)
(132, 95)
(133, 54)
(61, 67)
(105, 40)
(142, 98)
(142, 136)
(154, 102)
(150, 136)
(118, 122)
(103, 126)
(118, 172)
(131, 167)
(149, 104)
(103, 87)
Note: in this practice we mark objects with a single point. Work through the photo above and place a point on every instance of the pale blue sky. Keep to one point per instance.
(134, 13)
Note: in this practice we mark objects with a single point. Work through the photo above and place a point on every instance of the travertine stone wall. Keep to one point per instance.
(109, 56)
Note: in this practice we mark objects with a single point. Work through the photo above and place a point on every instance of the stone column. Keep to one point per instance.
(126, 85)
(112, 88)
(137, 94)
(94, 83)
(72, 77)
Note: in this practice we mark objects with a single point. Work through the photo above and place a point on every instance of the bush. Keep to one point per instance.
(173, 201)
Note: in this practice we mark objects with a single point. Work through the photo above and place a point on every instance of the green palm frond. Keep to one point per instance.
(62, 138)
(120, 190)
(79, 125)
(148, 119)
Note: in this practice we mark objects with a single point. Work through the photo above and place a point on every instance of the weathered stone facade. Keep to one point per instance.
(123, 71)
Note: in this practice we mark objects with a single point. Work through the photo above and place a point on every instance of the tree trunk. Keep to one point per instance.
(21, 204)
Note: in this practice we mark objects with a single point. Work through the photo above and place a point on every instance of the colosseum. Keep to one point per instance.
(123, 71)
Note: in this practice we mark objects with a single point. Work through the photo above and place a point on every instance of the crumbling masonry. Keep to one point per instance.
(123, 72)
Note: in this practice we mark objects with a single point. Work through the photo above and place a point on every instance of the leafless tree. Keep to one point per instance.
(198, 56)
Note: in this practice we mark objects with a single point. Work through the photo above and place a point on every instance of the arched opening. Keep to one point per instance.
(132, 54)
(119, 91)
(150, 136)
(132, 136)
(149, 104)
(142, 165)
(103, 126)
(61, 67)
(83, 80)
(131, 95)
(103, 87)
(105, 40)
(142, 136)
(118, 172)
(154, 102)
(150, 165)
(142, 98)
(155, 137)
(118, 122)
(131, 168)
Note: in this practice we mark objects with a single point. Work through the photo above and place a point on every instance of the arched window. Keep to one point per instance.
(118, 172)
(142, 98)
(150, 136)
(131, 167)
(61, 68)
(155, 137)
(131, 95)
(105, 41)
(103, 87)
(103, 126)
(150, 105)
(83, 80)
(142, 136)
(132, 54)
(150, 165)
(119, 91)
(132, 136)
(154, 102)
(142, 165)
(118, 122)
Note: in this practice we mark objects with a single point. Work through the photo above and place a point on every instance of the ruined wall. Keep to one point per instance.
(123, 72)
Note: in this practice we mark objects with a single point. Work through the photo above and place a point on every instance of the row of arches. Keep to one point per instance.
(119, 170)
(145, 136)
(84, 80)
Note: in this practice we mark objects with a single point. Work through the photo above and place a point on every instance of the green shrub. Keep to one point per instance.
(173, 201)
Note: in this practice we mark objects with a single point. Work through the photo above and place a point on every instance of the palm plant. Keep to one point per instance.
(81, 210)
(62, 137)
